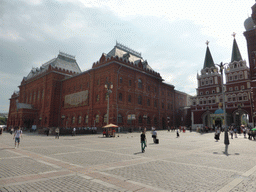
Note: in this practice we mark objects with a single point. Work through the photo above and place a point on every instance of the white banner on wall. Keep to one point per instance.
(76, 99)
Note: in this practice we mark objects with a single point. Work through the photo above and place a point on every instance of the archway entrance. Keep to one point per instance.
(207, 120)
(218, 122)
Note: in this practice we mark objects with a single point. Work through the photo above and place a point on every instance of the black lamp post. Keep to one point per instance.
(226, 139)
(108, 86)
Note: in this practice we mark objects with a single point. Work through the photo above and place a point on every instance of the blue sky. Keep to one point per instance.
(170, 34)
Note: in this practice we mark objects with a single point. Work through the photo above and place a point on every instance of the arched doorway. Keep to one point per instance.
(240, 117)
(207, 119)
(218, 122)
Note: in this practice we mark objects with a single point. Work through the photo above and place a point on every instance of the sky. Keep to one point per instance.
(170, 35)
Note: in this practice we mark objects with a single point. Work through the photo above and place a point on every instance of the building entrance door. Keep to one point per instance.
(218, 122)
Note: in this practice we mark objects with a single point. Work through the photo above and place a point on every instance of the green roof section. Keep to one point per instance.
(208, 61)
(236, 56)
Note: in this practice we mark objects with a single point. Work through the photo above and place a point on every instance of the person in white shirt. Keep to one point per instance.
(17, 135)
(74, 132)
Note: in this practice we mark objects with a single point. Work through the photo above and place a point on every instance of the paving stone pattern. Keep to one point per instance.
(22, 166)
(192, 162)
(68, 183)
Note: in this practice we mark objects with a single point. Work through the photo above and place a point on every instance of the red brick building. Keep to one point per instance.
(59, 94)
(250, 35)
(207, 106)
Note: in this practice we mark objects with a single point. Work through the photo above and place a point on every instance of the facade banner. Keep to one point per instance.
(76, 99)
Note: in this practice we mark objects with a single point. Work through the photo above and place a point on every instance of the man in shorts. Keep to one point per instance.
(17, 136)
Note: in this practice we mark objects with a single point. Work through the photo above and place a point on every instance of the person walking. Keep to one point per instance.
(74, 132)
(217, 134)
(57, 133)
(244, 132)
(12, 131)
(143, 141)
(231, 132)
(177, 133)
(154, 135)
(47, 131)
(17, 135)
(235, 130)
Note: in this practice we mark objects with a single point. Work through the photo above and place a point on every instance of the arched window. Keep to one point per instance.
(38, 95)
(140, 119)
(121, 80)
(79, 119)
(86, 119)
(148, 120)
(120, 118)
(129, 98)
(105, 118)
(97, 98)
(140, 100)
(43, 94)
(97, 119)
(120, 97)
(73, 119)
(130, 82)
(139, 83)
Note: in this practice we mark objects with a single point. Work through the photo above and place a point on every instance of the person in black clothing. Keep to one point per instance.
(143, 141)
(178, 133)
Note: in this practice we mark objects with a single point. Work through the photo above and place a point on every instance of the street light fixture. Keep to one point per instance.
(226, 139)
(108, 86)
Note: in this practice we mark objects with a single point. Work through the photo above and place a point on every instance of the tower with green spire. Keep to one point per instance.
(237, 74)
(209, 80)
(208, 61)
(236, 56)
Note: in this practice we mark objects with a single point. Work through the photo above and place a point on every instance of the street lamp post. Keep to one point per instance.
(108, 86)
(226, 139)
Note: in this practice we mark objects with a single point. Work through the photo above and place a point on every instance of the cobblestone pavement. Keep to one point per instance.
(192, 162)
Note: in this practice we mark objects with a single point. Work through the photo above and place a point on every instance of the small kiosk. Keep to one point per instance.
(109, 130)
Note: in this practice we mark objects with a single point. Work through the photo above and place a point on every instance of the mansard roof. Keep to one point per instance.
(236, 56)
(208, 61)
(63, 61)
(128, 54)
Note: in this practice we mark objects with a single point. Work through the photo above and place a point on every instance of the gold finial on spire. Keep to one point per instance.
(234, 34)
(207, 42)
